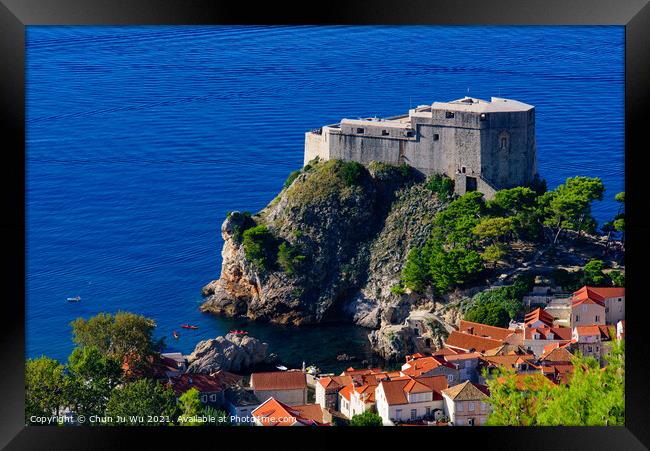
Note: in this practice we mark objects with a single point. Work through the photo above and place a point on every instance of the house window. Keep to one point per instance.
(359, 130)
(428, 411)
(398, 413)
(414, 414)
(410, 133)
(417, 331)
(459, 407)
(584, 308)
(213, 397)
(482, 407)
(483, 116)
(436, 137)
(471, 407)
(450, 377)
(589, 349)
(597, 318)
(463, 169)
(577, 318)
(385, 132)
(470, 421)
(204, 398)
(449, 114)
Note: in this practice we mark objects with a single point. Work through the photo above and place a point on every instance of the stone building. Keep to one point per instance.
(481, 145)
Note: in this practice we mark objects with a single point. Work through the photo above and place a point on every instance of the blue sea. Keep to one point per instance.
(140, 139)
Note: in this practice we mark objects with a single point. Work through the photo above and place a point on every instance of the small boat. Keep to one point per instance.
(175, 334)
(282, 368)
(74, 299)
(188, 326)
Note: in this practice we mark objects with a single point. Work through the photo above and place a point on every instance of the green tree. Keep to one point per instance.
(190, 406)
(289, 258)
(351, 172)
(136, 401)
(440, 184)
(415, 274)
(46, 387)
(92, 376)
(493, 229)
(618, 278)
(453, 267)
(366, 418)
(489, 312)
(594, 396)
(569, 205)
(494, 253)
(117, 336)
(516, 400)
(260, 246)
(593, 273)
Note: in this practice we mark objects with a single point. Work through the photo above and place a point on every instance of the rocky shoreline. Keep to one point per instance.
(352, 239)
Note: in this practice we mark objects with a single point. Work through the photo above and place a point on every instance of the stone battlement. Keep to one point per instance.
(482, 145)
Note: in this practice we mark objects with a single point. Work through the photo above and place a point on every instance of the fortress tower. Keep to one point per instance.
(481, 145)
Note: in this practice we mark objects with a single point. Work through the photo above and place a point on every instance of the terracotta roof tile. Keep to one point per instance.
(483, 330)
(279, 380)
(466, 391)
(275, 413)
(468, 342)
(538, 315)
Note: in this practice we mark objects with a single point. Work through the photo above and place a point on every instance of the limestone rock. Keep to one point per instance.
(230, 353)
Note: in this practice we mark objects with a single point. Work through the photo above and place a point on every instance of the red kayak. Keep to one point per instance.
(175, 334)
(188, 326)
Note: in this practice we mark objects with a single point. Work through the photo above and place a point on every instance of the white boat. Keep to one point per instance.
(282, 368)
(74, 299)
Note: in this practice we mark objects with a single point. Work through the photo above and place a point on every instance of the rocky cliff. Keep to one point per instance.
(349, 229)
(229, 353)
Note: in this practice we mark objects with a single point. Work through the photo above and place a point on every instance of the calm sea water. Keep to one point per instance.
(140, 139)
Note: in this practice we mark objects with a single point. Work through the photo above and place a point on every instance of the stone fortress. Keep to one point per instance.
(483, 146)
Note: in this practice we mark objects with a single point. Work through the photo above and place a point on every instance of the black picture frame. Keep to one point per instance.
(16, 14)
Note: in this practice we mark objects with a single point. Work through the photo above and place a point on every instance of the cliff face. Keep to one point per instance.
(353, 226)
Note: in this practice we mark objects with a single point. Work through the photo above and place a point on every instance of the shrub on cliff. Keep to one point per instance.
(238, 229)
(440, 184)
(260, 246)
(291, 178)
(289, 258)
(498, 306)
(351, 172)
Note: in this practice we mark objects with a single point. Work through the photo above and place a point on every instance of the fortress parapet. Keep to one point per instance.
(484, 146)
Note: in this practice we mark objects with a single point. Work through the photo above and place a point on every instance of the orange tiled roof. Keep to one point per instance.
(275, 413)
(463, 356)
(396, 390)
(418, 367)
(346, 391)
(608, 292)
(467, 342)
(587, 295)
(559, 333)
(588, 330)
(334, 382)
(279, 380)
(466, 391)
(483, 330)
(446, 351)
(538, 315)
(202, 382)
(555, 354)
